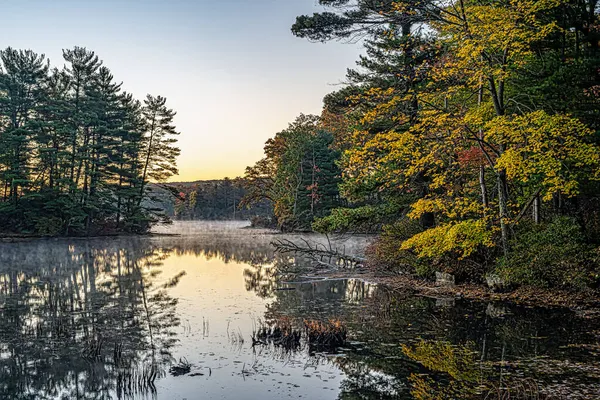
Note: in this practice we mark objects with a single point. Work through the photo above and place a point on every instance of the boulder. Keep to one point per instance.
(444, 279)
(495, 283)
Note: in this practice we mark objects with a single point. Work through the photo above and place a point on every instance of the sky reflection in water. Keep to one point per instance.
(93, 319)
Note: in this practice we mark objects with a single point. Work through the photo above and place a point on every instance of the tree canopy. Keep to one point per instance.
(76, 151)
(477, 119)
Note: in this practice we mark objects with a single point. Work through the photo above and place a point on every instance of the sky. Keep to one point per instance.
(230, 68)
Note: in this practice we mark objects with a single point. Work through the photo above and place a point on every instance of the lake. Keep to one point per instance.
(173, 317)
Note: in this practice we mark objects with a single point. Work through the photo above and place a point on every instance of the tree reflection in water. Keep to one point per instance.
(78, 319)
(83, 320)
(452, 349)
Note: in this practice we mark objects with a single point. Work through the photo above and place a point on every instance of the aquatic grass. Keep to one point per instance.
(521, 389)
(282, 334)
(326, 335)
(183, 367)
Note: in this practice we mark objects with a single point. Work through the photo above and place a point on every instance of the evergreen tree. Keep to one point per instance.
(21, 85)
(159, 151)
(76, 153)
(298, 175)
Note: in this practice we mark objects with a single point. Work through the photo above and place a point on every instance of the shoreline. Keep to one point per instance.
(18, 238)
(587, 302)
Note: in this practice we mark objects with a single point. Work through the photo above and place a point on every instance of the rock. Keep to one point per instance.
(495, 311)
(445, 302)
(444, 279)
(495, 283)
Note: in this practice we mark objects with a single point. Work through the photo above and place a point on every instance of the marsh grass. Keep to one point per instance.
(280, 334)
(326, 335)
(521, 389)
(183, 367)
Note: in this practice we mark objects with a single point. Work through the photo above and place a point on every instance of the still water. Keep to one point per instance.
(111, 318)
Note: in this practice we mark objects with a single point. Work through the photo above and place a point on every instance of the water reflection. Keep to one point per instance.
(83, 320)
(106, 319)
(414, 347)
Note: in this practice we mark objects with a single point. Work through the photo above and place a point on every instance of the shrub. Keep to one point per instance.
(49, 226)
(365, 219)
(459, 248)
(262, 221)
(550, 255)
(386, 254)
(326, 335)
(460, 239)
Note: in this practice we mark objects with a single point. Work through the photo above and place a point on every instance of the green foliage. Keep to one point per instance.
(299, 174)
(368, 218)
(477, 117)
(77, 153)
(554, 254)
(386, 254)
(48, 226)
(208, 200)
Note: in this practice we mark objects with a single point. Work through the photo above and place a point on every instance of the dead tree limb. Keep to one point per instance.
(318, 252)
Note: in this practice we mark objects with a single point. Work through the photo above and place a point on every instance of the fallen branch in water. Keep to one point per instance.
(319, 253)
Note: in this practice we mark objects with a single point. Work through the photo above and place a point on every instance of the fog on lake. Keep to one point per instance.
(173, 317)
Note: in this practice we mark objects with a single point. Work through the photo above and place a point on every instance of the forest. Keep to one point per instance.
(467, 137)
(77, 152)
(217, 199)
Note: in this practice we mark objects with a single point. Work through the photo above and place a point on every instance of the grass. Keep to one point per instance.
(281, 333)
(326, 335)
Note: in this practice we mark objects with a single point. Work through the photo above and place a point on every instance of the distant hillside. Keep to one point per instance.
(216, 199)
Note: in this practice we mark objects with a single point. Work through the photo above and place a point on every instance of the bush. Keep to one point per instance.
(458, 240)
(551, 255)
(49, 226)
(364, 219)
(261, 221)
(462, 249)
(386, 254)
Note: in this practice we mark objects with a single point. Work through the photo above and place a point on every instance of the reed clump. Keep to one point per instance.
(183, 367)
(326, 335)
(282, 333)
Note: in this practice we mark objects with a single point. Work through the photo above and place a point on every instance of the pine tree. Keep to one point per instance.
(160, 152)
(82, 69)
(21, 85)
(76, 154)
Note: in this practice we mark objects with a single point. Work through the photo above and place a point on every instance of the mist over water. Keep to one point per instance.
(109, 318)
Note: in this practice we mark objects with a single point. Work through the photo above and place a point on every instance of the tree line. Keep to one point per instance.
(76, 151)
(298, 175)
(467, 135)
(218, 199)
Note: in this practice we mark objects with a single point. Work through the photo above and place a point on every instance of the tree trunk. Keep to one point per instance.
(427, 219)
(537, 205)
(74, 138)
(144, 175)
(484, 194)
(503, 209)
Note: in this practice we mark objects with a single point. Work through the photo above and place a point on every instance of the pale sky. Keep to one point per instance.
(230, 68)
